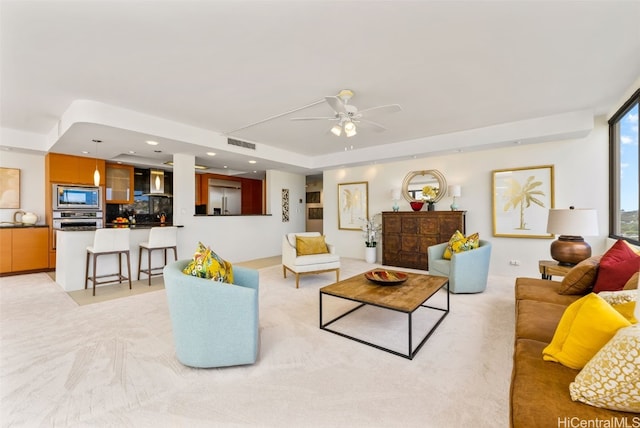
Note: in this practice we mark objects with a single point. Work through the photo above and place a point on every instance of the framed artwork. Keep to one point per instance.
(285, 205)
(9, 188)
(353, 205)
(313, 197)
(315, 214)
(522, 198)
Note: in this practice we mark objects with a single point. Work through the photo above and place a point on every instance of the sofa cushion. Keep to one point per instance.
(307, 245)
(581, 278)
(618, 264)
(459, 243)
(317, 259)
(537, 320)
(611, 379)
(585, 327)
(207, 264)
(540, 391)
(632, 284)
(542, 290)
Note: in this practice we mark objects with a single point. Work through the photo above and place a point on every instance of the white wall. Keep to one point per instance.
(581, 179)
(241, 238)
(31, 168)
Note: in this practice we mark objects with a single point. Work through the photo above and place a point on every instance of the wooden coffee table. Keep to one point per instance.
(407, 297)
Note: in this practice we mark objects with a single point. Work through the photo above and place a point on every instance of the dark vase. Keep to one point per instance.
(431, 206)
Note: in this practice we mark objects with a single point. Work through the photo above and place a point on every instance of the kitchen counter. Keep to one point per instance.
(10, 225)
(141, 226)
(71, 253)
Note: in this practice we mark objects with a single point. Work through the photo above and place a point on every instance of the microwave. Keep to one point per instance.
(77, 197)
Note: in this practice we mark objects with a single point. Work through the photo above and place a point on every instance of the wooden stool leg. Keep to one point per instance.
(119, 268)
(86, 271)
(175, 253)
(148, 271)
(129, 269)
(95, 257)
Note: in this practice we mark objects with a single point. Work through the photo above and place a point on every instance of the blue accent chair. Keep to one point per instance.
(214, 324)
(467, 271)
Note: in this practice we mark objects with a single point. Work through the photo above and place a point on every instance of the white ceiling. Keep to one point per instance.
(221, 65)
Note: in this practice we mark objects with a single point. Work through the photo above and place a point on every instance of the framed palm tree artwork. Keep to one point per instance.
(522, 198)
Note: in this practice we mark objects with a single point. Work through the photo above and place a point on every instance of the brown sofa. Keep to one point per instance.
(540, 389)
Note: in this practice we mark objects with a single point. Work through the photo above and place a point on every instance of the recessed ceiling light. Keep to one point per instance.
(211, 154)
(252, 161)
(84, 152)
(131, 152)
(225, 166)
(152, 143)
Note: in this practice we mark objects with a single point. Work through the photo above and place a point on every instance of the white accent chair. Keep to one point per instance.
(160, 238)
(108, 241)
(310, 264)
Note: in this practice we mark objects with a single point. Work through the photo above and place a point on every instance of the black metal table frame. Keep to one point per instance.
(412, 353)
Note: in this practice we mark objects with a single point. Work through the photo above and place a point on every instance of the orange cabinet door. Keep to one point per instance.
(30, 249)
(73, 169)
(5, 250)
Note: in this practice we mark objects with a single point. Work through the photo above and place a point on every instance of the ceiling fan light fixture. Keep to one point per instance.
(336, 130)
(350, 129)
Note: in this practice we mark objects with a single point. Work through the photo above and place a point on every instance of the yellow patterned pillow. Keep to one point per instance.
(207, 264)
(459, 243)
(586, 326)
(611, 379)
(307, 245)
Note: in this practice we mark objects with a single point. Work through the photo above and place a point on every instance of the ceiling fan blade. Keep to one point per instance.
(371, 125)
(336, 104)
(390, 108)
(314, 118)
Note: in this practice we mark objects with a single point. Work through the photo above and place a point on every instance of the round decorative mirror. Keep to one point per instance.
(415, 181)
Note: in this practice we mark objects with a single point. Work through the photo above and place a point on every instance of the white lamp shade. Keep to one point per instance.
(455, 190)
(573, 222)
(96, 177)
(336, 130)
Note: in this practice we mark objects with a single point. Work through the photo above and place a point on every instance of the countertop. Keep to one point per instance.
(11, 225)
(141, 226)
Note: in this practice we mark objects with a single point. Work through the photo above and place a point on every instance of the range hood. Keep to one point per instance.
(156, 183)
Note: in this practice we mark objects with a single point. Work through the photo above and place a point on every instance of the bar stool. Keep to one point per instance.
(160, 238)
(108, 241)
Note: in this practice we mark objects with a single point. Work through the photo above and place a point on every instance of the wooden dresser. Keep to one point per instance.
(407, 234)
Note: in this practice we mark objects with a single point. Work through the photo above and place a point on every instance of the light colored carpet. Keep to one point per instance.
(117, 290)
(113, 364)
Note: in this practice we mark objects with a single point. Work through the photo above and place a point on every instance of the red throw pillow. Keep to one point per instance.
(616, 267)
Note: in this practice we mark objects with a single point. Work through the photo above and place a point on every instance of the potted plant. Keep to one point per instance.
(371, 227)
(429, 194)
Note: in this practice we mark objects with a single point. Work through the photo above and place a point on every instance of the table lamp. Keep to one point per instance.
(570, 248)
(456, 191)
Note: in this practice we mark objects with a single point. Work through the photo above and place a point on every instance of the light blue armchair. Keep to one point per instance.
(214, 324)
(467, 271)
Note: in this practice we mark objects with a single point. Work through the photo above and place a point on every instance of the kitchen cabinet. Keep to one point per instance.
(406, 235)
(119, 184)
(24, 249)
(6, 239)
(67, 169)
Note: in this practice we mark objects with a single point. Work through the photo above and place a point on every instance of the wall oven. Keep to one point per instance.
(76, 220)
(67, 197)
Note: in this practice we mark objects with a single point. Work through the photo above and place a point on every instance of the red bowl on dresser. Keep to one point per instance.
(416, 205)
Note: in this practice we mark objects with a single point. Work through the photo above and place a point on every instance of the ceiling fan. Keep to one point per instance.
(347, 115)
